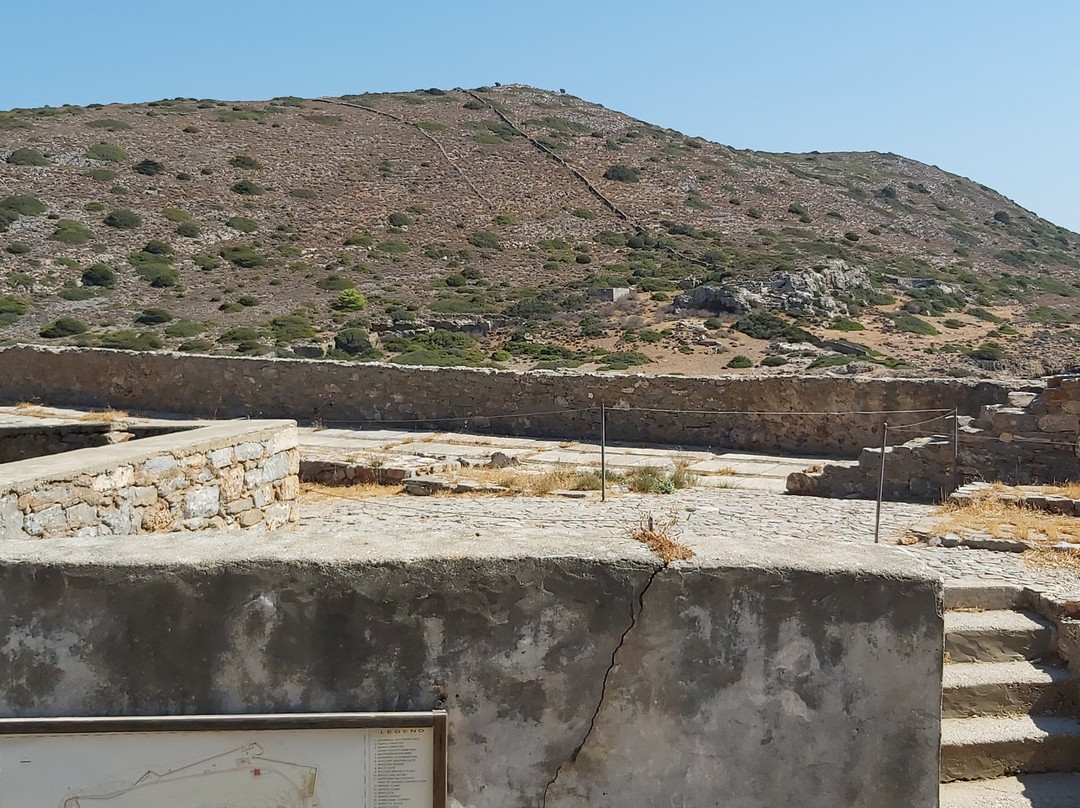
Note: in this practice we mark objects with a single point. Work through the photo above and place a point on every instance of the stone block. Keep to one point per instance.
(43, 498)
(156, 518)
(140, 495)
(157, 466)
(49, 521)
(1059, 422)
(278, 514)
(248, 451)
(240, 505)
(202, 502)
(84, 493)
(292, 459)
(232, 483)
(263, 495)
(220, 458)
(120, 520)
(197, 523)
(282, 441)
(175, 482)
(80, 515)
(289, 488)
(249, 518)
(270, 471)
(11, 519)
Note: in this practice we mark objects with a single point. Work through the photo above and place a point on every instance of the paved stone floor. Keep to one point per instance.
(740, 497)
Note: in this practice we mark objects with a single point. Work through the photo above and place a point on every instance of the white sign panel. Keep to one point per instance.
(356, 760)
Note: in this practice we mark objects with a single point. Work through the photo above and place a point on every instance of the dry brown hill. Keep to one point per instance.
(491, 226)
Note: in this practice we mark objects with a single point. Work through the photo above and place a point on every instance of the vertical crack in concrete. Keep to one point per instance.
(635, 613)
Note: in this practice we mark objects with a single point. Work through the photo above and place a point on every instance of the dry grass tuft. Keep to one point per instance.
(1057, 559)
(318, 492)
(986, 513)
(32, 410)
(109, 416)
(656, 534)
(1070, 490)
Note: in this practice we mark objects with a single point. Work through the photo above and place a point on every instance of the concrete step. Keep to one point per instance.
(1056, 790)
(1008, 688)
(977, 594)
(979, 748)
(996, 636)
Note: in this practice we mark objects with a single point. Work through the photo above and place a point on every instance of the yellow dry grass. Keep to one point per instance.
(32, 410)
(656, 534)
(986, 513)
(1070, 490)
(317, 492)
(1055, 559)
(108, 416)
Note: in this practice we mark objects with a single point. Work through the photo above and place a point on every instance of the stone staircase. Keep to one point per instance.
(1010, 734)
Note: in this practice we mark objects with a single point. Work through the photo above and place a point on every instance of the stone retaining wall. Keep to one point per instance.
(1031, 439)
(640, 407)
(575, 671)
(237, 474)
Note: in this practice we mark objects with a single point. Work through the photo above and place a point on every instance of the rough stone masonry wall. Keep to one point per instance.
(370, 394)
(594, 676)
(228, 475)
(1031, 439)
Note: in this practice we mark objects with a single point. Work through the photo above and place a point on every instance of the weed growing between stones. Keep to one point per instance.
(657, 534)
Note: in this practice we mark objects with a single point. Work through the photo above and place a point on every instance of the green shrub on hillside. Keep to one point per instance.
(622, 173)
(23, 204)
(148, 168)
(27, 157)
(350, 300)
(188, 230)
(911, 324)
(245, 161)
(99, 275)
(107, 152)
(740, 361)
(244, 225)
(247, 188)
(71, 232)
(64, 327)
(123, 219)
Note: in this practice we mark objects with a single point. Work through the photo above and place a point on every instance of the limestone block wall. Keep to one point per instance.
(578, 672)
(237, 474)
(1033, 438)
(770, 414)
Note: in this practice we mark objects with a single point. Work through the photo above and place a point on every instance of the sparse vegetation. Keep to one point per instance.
(107, 152)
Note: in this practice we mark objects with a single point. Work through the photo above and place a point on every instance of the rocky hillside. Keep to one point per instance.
(514, 227)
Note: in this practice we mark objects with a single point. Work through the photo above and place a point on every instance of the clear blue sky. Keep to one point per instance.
(983, 88)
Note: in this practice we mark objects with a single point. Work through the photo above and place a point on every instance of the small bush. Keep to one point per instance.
(359, 240)
(18, 248)
(132, 341)
(149, 168)
(247, 188)
(64, 327)
(243, 256)
(242, 224)
(23, 205)
(773, 361)
(101, 175)
(205, 262)
(740, 361)
(123, 219)
(93, 207)
(245, 161)
(107, 152)
(622, 173)
(183, 328)
(350, 300)
(911, 324)
(846, 324)
(988, 352)
(155, 316)
(188, 230)
(13, 305)
(160, 276)
(301, 193)
(99, 275)
(27, 157)
(334, 283)
(196, 346)
(484, 239)
(71, 232)
(290, 328)
(398, 219)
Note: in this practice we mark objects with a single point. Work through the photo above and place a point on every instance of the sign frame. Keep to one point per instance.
(92, 725)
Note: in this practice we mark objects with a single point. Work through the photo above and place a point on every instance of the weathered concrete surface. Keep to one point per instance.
(571, 663)
(355, 394)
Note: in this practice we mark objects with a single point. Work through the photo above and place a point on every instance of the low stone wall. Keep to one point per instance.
(1034, 438)
(768, 414)
(24, 441)
(575, 672)
(236, 474)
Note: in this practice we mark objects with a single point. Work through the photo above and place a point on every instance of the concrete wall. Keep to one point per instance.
(237, 474)
(418, 397)
(591, 675)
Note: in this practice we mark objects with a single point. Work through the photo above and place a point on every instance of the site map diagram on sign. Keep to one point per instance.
(309, 768)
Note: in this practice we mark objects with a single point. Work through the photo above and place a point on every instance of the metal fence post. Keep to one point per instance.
(881, 482)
